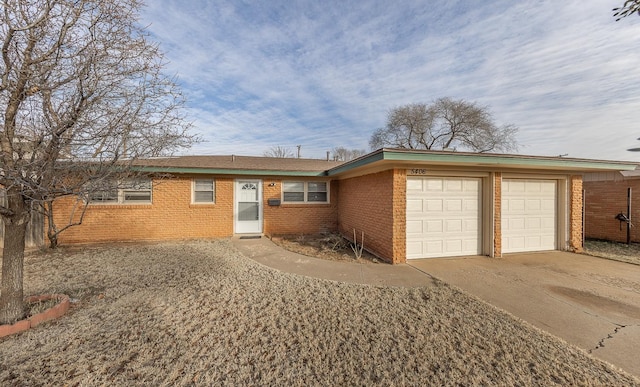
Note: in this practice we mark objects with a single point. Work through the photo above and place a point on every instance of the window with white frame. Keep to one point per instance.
(305, 192)
(128, 192)
(204, 191)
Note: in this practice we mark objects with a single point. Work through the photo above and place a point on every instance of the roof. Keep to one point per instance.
(381, 159)
(388, 157)
(238, 165)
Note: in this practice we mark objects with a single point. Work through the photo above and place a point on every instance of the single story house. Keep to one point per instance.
(409, 203)
(606, 196)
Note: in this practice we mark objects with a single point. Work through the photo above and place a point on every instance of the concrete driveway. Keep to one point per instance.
(590, 302)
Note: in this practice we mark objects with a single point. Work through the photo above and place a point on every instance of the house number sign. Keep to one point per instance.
(417, 171)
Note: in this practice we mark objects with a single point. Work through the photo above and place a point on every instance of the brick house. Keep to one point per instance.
(605, 196)
(410, 204)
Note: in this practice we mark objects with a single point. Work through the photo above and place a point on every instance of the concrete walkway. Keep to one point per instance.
(590, 302)
(378, 274)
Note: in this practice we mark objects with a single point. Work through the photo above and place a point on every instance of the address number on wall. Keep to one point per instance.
(417, 171)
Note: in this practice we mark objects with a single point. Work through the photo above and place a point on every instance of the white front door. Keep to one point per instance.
(248, 206)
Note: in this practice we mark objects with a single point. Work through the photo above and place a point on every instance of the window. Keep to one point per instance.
(128, 192)
(305, 192)
(203, 191)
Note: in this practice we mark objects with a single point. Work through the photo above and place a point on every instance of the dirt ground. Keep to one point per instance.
(326, 246)
(200, 313)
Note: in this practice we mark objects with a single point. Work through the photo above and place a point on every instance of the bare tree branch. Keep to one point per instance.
(279, 152)
(446, 123)
(344, 154)
(629, 7)
(82, 96)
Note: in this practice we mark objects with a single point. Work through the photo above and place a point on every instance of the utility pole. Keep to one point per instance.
(298, 146)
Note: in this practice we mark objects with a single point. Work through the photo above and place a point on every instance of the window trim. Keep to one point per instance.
(122, 192)
(193, 191)
(306, 192)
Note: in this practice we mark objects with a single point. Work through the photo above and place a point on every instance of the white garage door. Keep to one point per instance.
(443, 217)
(528, 215)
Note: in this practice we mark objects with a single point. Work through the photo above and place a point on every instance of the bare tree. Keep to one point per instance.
(444, 124)
(83, 96)
(629, 7)
(344, 154)
(279, 152)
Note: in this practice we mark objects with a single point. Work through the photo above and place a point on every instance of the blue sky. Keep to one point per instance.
(323, 74)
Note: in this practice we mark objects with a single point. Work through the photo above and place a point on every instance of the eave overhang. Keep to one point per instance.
(218, 171)
(397, 157)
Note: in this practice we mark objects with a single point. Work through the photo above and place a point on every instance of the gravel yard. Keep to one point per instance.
(200, 313)
(613, 250)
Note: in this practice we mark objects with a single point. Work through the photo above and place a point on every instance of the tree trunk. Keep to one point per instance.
(15, 229)
(53, 240)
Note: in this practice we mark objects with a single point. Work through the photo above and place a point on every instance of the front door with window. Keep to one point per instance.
(248, 206)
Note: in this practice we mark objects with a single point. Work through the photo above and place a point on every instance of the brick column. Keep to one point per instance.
(575, 214)
(497, 215)
(399, 216)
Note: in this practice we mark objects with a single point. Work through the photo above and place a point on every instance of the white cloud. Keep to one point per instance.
(324, 74)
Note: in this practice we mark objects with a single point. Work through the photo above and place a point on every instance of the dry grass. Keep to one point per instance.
(614, 250)
(199, 313)
(328, 246)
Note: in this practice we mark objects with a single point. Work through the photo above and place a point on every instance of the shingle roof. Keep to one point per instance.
(245, 163)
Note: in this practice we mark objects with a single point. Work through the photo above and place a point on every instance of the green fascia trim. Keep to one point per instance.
(486, 160)
(373, 157)
(244, 172)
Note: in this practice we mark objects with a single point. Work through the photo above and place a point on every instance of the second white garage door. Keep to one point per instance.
(443, 216)
(529, 213)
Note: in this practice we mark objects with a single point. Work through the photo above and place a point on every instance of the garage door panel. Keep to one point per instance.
(433, 184)
(533, 223)
(471, 225)
(548, 205)
(414, 227)
(529, 215)
(450, 216)
(454, 225)
(414, 246)
(515, 224)
(453, 185)
(453, 246)
(472, 244)
(515, 186)
(414, 205)
(454, 205)
(548, 223)
(414, 185)
(471, 205)
(433, 247)
(548, 240)
(434, 205)
(433, 226)
(533, 205)
(515, 205)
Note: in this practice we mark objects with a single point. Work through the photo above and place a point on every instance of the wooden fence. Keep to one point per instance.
(35, 229)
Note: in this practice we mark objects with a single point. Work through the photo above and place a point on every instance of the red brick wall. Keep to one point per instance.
(366, 203)
(309, 218)
(603, 201)
(170, 216)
